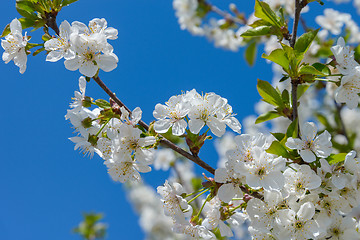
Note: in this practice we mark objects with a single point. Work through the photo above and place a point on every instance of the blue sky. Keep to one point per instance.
(45, 184)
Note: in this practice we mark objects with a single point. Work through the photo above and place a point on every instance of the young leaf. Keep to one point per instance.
(259, 23)
(26, 22)
(279, 57)
(250, 53)
(336, 158)
(269, 94)
(267, 116)
(6, 31)
(278, 136)
(307, 69)
(322, 68)
(292, 129)
(258, 31)
(102, 103)
(302, 89)
(278, 149)
(304, 41)
(263, 11)
(285, 96)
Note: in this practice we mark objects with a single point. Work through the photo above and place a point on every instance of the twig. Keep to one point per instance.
(343, 129)
(295, 81)
(226, 15)
(163, 141)
(51, 22)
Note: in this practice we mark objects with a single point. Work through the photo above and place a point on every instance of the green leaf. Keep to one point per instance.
(302, 89)
(25, 5)
(279, 57)
(284, 78)
(285, 96)
(322, 68)
(278, 136)
(336, 158)
(102, 103)
(269, 94)
(278, 149)
(258, 31)
(250, 53)
(307, 69)
(292, 130)
(293, 59)
(26, 22)
(259, 23)
(263, 11)
(6, 31)
(267, 116)
(26, 9)
(38, 24)
(304, 41)
(67, 2)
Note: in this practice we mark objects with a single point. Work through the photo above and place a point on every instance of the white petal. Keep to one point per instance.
(196, 125)
(54, 56)
(307, 155)
(308, 131)
(216, 126)
(72, 64)
(162, 125)
(226, 192)
(221, 175)
(161, 111)
(178, 128)
(306, 211)
(15, 25)
(88, 69)
(106, 62)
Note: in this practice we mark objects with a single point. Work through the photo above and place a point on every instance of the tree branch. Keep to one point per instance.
(163, 141)
(51, 21)
(226, 15)
(295, 81)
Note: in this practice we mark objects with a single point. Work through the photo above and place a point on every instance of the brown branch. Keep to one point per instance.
(253, 194)
(163, 141)
(295, 81)
(51, 22)
(298, 8)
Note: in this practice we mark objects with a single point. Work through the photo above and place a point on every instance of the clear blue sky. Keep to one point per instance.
(45, 184)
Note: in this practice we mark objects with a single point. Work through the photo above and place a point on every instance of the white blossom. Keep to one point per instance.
(14, 46)
(310, 144)
(61, 47)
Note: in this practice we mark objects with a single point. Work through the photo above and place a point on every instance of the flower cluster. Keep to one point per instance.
(350, 69)
(84, 47)
(14, 46)
(209, 109)
(300, 201)
(118, 140)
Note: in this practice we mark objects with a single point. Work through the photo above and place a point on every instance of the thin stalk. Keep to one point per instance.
(202, 207)
(198, 195)
(163, 141)
(226, 15)
(102, 127)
